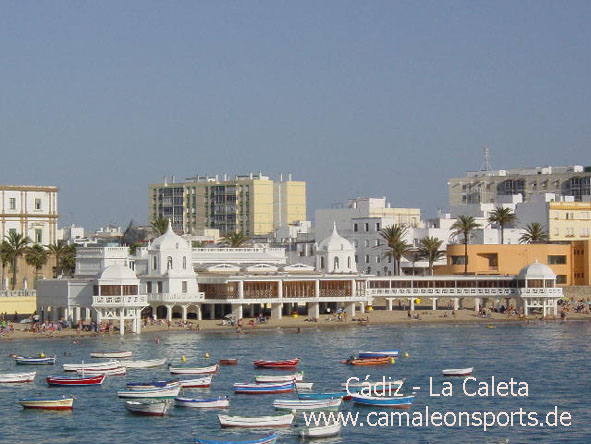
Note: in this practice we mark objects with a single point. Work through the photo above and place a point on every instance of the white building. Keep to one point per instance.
(335, 254)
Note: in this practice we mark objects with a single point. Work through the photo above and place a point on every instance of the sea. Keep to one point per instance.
(547, 364)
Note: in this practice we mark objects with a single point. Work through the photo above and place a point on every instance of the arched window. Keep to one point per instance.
(155, 262)
(322, 263)
(169, 263)
(349, 262)
(184, 262)
(336, 263)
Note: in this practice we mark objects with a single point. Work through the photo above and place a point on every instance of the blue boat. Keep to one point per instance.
(396, 402)
(328, 395)
(24, 360)
(270, 439)
(379, 354)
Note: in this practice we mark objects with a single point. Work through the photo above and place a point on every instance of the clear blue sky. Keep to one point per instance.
(356, 98)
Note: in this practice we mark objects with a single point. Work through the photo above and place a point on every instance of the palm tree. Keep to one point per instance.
(36, 256)
(5, 259)
(17, 246)
(534, 234)
(65, 256)
(394, 237)
(430, 250)
(159, 225)
(234, 240)
(465, 225)
(502, 216)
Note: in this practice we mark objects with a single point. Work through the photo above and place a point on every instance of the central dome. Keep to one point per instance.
(335, 242)
(170, 241)
(536, 271)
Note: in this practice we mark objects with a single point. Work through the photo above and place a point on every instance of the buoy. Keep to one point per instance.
(392, 360)
(184, 358)
(41, 355)
(407, 355)
(206, 355)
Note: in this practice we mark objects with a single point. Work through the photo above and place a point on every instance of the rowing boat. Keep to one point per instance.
(228, 361)
(148, 363)
(77, 381)
(55, 403)
(299, 376)
(30, 360)
(204, 382)
(221, 402)
(162, 393)
(17, 378)
(458, 371)
(321, 431)
(148, 407)
(270, 439)
(379, 354)
(194, 370)
(307, 404)
(395, 402)
(111, 372)
(263, 389)
(286, 363)
(370, 361)
(117, 354)
(106, 365)
(256, 421)
(153, 385)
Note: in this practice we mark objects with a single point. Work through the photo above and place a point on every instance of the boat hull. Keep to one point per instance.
(307, 404)
(48, 404)
(120, 354)
(194, 370)
(213, 403)
(147, 408)
(379, 354)
(297, 377)
(74, 381)
(285, 364)
(196, 383)
(153, 394)
(271, 439)
(150, 363)
(99, 366)
(397, 402)
(23, 360)
(458, 371)
(255, 422)
(228, 361)
(321, 432)
(263, 389)
(17, 378)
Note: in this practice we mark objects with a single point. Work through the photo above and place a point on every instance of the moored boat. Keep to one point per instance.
(117, 354)
(221, 402)
(270, 439)
(263, 389)
(307, 404)
(384, 360)
(328, 395)
(256, 421)
(147, 363)
(106, 365)
(396, 402)
(112, 372)
(17, 378)
(299, 376)
(49, 403)
(161, 393)
(204, 382)
(374, 384)
(458, 371)
(34, 360)
(286, 363)
(148, 407)
(153, 385)
(228, 361)
(194, 370)
(77, 381)
(379, 354)
(321, 431)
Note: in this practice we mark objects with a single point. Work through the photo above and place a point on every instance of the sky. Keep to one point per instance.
(374, 98)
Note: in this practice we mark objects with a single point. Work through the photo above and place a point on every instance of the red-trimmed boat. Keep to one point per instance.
(75, 381)
(287, 363)
(228, 361)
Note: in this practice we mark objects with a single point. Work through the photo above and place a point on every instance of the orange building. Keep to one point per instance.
(570, 261)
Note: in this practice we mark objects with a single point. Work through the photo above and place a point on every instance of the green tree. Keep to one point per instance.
(534, 234)
(36, 256)
(65, 257)
(159, 225)
(398, 247)
(234, 240)
(464, 226)
(430, 250)
(5, 259)
(502, 217)
(17, 246)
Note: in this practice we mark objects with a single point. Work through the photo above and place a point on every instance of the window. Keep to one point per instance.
(378, 259)
(349, 262)
(377, 242)
(149, 287)
(377, 226)
(38, 235)
(159, 286)
(561, 279)
(169, 263)
(366, 243)
(336, 263)
(367, 258)
(12, 203)
(322, 263)
(557, 260)
(184, 285)
(37, 204)
(458, 260)
(355, 227)
(154, 262)
(366, 226)
(356, 259)
(184, 262)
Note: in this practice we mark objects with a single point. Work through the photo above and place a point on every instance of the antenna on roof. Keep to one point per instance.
(486, 165)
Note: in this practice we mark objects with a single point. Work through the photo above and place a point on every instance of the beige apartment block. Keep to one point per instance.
(569, 221)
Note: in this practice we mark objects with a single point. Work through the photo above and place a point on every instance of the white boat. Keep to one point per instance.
(106, 365)
(61, 403)
(17, 378)
(458, 371)
(148, 363)
(193, 370)
(203, 382)
(221, 402)
(148, 407)
(298, 377)
(153, 385)
(119, 354)
(161, 393)
(112, 372)
(321, 431)
(374, 384)
(256, 421)
(307, 404)
(304, 385)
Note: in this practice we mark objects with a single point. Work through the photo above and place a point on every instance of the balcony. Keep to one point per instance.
(547, 292)
(17, 293)
(120, 301)
(176, 297)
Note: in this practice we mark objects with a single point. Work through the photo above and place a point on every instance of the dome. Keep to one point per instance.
(335, 242)
(536, 271)
(117, 273)
(170, 241)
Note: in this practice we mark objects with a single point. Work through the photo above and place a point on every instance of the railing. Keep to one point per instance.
(110, 301)
(175, 297)
(440, 292)
(17, 293)
(549, 292)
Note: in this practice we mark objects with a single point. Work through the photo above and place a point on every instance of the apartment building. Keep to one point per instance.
(253, 203)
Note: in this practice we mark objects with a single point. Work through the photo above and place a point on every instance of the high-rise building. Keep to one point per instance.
(494, 186)
(252, 203)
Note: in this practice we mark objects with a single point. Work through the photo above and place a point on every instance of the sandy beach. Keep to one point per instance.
(375, 317)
